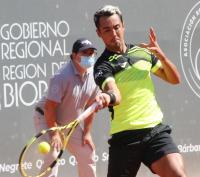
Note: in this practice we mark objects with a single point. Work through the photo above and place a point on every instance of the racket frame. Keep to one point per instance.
(72, 125)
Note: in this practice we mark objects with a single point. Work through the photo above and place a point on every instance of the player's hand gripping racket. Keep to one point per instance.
(36, 159)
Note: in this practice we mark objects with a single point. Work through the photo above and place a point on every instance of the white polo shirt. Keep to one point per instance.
(71, 91)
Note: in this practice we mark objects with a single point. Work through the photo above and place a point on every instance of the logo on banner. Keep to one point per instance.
(30, 52)
(190, 49)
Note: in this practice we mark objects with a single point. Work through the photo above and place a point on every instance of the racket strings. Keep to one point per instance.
(38, 163)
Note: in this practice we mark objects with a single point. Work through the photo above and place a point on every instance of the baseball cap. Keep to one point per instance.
(82, 44)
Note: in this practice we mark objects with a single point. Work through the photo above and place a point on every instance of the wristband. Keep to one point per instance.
(112, 98)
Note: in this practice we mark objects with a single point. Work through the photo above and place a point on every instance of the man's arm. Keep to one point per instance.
(168, 71)
(50, 113)
(105, 100)
(50, 116)
(111, 95)
(87, 138)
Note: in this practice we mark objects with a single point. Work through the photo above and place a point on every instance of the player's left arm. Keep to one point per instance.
(168, 70)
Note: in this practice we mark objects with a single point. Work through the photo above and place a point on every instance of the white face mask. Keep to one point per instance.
(87, 61)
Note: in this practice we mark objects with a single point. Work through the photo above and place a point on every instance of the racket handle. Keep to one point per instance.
(91, 109)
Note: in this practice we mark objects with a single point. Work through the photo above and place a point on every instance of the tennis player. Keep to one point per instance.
(71, 90)
(123, 73)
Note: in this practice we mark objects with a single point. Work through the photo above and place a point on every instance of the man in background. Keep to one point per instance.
(71, 90)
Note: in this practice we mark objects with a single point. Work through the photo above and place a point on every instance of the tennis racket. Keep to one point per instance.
(33, 163)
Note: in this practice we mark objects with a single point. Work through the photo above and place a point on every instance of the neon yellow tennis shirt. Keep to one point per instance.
(131, 72)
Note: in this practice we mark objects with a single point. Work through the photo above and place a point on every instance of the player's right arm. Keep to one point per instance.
(104, 78)
(111, 95)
